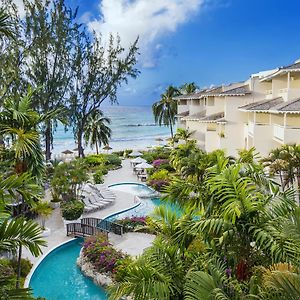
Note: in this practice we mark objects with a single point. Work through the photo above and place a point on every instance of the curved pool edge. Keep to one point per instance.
(39, 261)
(129, 208)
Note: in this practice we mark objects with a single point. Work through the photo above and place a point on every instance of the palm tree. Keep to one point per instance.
(43, 210)
(96, 131)
(189, 88)
(165, 109)
(20, 123)
(19, 232)
(6, 24)
(183, 134)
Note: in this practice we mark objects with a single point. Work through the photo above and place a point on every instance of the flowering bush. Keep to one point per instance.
(101, 254)
(130, 224)
(158, 184)
(156, 163)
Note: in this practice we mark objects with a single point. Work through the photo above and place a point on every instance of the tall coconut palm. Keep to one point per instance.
(189, 88)
(165, 109)
(96, 131)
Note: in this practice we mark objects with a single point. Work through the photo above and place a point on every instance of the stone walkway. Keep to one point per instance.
(131, 243)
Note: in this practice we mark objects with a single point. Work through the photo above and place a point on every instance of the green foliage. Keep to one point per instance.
(95, 159)
(98, 177)
(165, 109)
(71, 210)
(112, 159)
(158, 153)
(8, 277)
(26, 266)
(68, 179)
(160, 175)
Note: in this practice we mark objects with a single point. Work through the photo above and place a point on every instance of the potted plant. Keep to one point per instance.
(43, 210)
(55, 200)
(71, 210)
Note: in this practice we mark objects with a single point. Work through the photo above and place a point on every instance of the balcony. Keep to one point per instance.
(251, 128)
(278, 132)
(269, 94)
(286, 135)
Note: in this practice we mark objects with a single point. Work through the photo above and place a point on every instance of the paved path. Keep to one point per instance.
(131, 243)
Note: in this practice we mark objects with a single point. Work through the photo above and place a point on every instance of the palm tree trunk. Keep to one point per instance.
(171, 129)
(97, 148)
(79, 141)
(19, 267)
(48, 141)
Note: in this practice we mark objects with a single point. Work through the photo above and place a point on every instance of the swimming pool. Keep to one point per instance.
(57, 277)
(145, 206)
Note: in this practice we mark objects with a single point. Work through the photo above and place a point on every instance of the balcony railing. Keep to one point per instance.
(283, 91)
(278, 132)
(251, 128)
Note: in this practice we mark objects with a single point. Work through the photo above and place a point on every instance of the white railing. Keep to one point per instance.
(251, 128)
(283, 91)
(278, 132)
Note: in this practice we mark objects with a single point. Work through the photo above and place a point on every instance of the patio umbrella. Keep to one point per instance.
(107, 147)
(75, 149)
(159, 139)
(144, 165)
(67, 152)
(135, 154)
(138, 160)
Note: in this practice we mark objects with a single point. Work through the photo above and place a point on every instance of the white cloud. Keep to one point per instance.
(151, 20)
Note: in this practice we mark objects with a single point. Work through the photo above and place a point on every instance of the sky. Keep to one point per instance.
(208, 42)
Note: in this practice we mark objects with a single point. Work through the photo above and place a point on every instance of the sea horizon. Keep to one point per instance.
(133, 127)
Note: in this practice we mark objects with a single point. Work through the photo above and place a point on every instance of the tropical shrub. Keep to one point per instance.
(68, 178)
(158, 184)
(112, 159)
(101, 254)
(160, 175)
(94, 160)
(158, 162)
(158, 153)
(98, 177)
(71, 210)
(130, 224)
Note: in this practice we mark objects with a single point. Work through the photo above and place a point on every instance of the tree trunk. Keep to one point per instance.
(19, 267)
(171, 129)
(79, 141)
(48, 141)
(97, 148)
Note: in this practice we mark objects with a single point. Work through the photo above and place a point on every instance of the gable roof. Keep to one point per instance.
(295, 67)
(291, 106)
(238, 91)
(262, 106)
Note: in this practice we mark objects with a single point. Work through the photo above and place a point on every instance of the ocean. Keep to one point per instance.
(133, 127)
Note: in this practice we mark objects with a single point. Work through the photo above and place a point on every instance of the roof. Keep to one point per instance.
(295, 67)
(214, 118)
(192, 96)
(238, 91)
(195, 117)
(291, 106)
(183, 114)
(262, 106)
(201, 117)
(276, 105)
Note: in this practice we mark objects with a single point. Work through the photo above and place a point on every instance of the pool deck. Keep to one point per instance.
(131, 243)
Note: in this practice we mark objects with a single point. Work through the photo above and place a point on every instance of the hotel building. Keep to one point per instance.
(261, 112)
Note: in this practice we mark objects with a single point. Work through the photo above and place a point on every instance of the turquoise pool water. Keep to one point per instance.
(137, 189)
(146, 206)
(58, 278)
